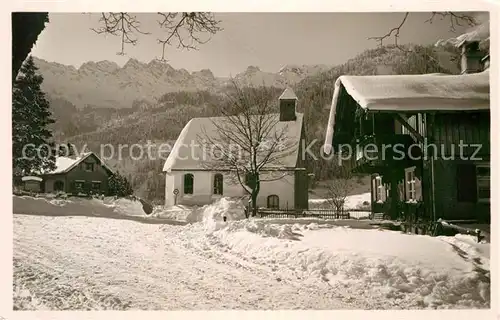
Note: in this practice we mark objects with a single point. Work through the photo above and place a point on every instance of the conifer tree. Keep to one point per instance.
(31, 136)
(118, 185)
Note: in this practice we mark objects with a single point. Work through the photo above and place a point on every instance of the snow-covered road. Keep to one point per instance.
(81, 254)
(94, 263)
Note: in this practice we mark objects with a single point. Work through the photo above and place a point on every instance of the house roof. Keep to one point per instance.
(419, 92)
(288, 94)
(31, 178)
(412, 93)
(190, 153)
(65, 164)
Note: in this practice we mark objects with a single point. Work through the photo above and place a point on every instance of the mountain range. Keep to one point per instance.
(106, 84)
(103, 103)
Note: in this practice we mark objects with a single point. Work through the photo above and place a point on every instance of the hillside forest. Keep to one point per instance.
(161, 121)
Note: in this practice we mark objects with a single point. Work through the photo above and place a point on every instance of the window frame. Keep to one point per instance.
(378, 189)
(87, 164)
(273, 204)
(93, 188)
(184, 177)
(218, 184)
(482, 179)
(410, 185)
(78, 182)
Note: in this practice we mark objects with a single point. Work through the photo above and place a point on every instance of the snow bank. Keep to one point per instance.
(231, 208)
(384, 268)
(415, 270)
(109, 207)
(127, 207)
(211, 216)
(177, 212)
(468, 247)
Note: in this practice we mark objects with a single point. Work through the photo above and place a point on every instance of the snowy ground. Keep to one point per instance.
(185, 213)
(351, 202)
(84, 261)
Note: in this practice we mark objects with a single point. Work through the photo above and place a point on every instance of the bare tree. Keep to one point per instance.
(188, 29)
(455, 19)
(248, 142)
(339, 188)
(121, 24)
(192, 24)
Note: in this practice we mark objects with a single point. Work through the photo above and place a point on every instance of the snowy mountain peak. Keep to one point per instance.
(105, 66)
(204, 73)
(106, 84)
(133, 63)
(252, 69)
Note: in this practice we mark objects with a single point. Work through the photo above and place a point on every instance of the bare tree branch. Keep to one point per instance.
(120, 24)
(456, 19)
(186, 28)
(338, 190)
(248, 142)
(394, 31)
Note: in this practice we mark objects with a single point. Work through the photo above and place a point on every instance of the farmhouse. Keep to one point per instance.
(428, 117)
(190, 181)
(76, 175)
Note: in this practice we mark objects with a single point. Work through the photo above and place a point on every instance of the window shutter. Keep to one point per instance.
(384, 192)
(466, 183)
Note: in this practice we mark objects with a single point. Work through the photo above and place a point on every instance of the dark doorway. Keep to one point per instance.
(59, 185)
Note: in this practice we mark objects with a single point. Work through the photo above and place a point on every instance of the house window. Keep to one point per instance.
(411, 194)
(79, 185)
(273, 202)
(218, 184)
(378, 189)
(188, 183)
(89, 167)
(483, 183)
(96, 186)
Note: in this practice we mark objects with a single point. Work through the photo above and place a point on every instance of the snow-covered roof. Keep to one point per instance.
(419, 92)
(413, 93)
(288, 94)
(188, 151)
(31, 178)
(65, 164)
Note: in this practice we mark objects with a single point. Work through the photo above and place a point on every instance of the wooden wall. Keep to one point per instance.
(470, 128)
(448, 131)
(446, 188)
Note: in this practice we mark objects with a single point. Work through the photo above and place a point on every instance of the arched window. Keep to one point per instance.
(188, 183)
(218, 183)
(273, 201)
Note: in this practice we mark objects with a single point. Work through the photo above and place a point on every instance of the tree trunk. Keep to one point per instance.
(255, 193)
(254, 204)
(394, 193)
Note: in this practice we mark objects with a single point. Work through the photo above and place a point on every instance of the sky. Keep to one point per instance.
(266, 40)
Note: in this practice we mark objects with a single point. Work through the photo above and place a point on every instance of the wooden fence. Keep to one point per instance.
(315, 213)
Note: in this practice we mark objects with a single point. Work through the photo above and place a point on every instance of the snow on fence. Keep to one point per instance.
(315, 213)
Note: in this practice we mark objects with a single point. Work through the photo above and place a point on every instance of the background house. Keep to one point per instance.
(419, 110)
(189, 181)
(82, 174)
